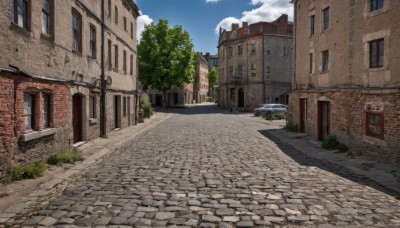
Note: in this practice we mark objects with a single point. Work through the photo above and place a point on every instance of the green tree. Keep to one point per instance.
(213, 80)
(165, 57)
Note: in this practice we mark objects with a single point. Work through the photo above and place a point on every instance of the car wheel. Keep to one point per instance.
(269, 114)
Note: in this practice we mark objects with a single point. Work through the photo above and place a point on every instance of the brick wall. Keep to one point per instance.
(348, 119)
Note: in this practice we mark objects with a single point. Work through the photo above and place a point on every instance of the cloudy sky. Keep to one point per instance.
(202, 18)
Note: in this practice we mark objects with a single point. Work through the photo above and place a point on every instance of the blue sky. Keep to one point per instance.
(202, 18)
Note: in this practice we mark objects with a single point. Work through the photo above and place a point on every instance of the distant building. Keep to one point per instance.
(255, 64)
(212, 63)
(346, 78)
(50, 68)
(200, 79)
(176, 96)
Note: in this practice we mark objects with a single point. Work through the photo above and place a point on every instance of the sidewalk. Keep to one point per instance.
(309, 152)
(22, 196)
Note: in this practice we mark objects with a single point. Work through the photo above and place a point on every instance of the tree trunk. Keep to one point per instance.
(164, 103)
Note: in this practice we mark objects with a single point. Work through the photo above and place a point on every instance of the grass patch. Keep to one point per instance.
(28, 171)
(65, 156)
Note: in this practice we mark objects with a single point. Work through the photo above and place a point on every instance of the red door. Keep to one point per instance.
(77, 117)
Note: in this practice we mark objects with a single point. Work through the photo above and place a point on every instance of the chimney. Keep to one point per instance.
(235, 26)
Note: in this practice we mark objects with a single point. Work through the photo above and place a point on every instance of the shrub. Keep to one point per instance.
(209, 99)
(343, 147)
(65, 156)
(291, 128)
(145, 105)
(330, 142)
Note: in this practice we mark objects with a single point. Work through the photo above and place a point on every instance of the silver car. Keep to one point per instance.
(270, 109)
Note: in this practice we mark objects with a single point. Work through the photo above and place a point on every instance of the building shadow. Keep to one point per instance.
(306, 160)
(197, 109)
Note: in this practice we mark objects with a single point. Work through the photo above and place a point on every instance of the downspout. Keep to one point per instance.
(103, 120)
(263, 65)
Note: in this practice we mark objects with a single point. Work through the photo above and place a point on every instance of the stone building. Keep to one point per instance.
(200, 79)
(50, 74)
(255, 64)
(176, 96)
(346, 77)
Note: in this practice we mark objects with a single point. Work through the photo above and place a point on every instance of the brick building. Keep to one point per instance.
(50, 74)
(255, 64)
(346, 77)
(200, 79)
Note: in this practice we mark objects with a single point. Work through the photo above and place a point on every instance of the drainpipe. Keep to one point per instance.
(103, 120)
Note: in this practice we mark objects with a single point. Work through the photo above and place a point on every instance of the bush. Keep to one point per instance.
(343, 147)
(209, 99)
(330, 142)
(291, 128)
(146, 106)
(28, 171)
(65, 156)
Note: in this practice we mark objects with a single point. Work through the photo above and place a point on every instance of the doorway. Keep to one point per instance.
(240, 98)
(158, 100)
(303, 115)
(77, 117)
(117, 112)
(323, 119)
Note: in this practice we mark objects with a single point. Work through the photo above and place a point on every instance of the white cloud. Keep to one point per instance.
(212, 1)
(267, 10)
(142, 21)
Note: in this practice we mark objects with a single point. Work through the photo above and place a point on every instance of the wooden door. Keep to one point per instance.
(77, 117)
(303, 115)
(323, 119)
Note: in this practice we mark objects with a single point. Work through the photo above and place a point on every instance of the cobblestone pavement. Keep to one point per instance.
(201, 168)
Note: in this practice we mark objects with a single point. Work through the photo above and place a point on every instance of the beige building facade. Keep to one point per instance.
(255, 64)
(200, 80)
(50, 74)
(346, 77)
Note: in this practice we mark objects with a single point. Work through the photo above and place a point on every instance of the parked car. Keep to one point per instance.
(270, 109)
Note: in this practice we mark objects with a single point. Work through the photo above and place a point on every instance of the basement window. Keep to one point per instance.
(375, 124)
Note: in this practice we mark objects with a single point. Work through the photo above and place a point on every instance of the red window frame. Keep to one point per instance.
(377, 123)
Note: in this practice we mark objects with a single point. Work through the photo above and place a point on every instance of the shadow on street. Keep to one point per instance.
(194, 109)
(306, 160)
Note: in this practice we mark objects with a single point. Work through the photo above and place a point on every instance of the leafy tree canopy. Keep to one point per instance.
(165, 56)
(213, 78)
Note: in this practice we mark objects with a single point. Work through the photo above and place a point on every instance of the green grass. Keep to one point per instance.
(65, 156)
(28, 171)
(331, 143)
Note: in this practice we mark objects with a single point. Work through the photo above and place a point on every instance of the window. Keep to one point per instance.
(125, 26)
(253, 47)
(92, 43)
(116, 15)
(46, 110)
(116, 56)
(124, 106)
(20, 12)
(29, 111)
(240, 50)
(325, 61)
(230, 52)
(240, 70)
(215, 62)
(76, 31)
(92, 107)
(311, 58)
(231, 71)
(375, 124)
(312, 25)
(376, 53)
(325, 19)
(131, 30)
(46, 16)
(109, 8)
(124, 62)
(376, 4)
(109, 55)
(253, 70)
(131, 70)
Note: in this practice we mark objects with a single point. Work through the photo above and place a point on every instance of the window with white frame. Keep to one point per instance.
(29, 111)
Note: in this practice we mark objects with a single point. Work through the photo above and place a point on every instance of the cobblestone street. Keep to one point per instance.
(203, 168)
